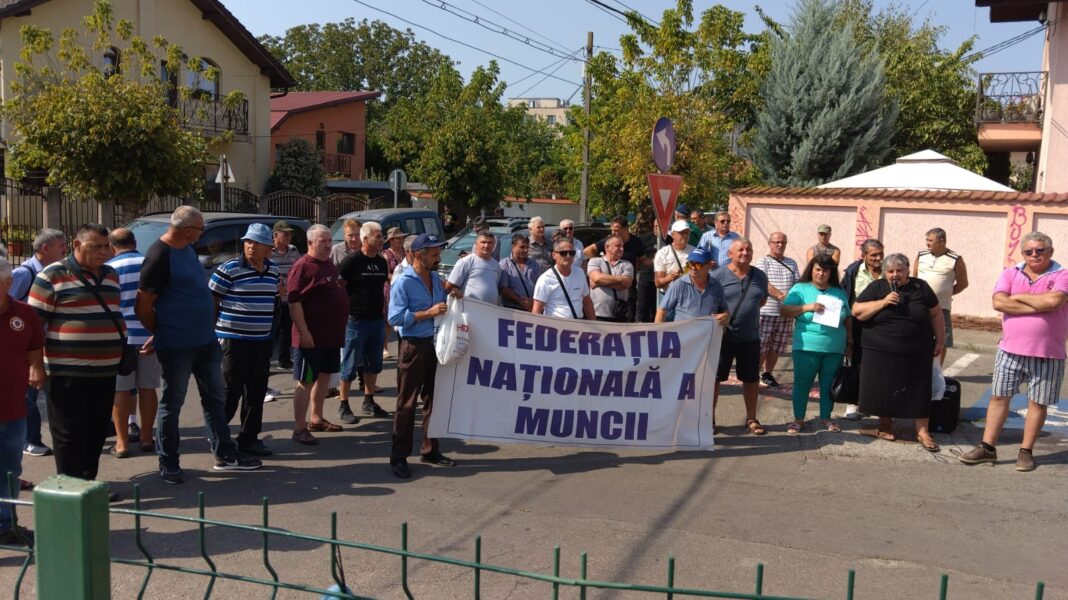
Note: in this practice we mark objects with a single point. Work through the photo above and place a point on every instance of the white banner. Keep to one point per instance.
(533, 379)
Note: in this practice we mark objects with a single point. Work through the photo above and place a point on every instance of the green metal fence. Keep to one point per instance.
(71, 522)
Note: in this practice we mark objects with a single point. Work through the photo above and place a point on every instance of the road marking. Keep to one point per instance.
(959, 365)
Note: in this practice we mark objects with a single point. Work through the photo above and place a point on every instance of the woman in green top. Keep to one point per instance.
(818, 348)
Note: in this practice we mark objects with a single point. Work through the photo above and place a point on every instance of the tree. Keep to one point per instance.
(297, 168)
(703, 78)
(826, 112)
(98, 131)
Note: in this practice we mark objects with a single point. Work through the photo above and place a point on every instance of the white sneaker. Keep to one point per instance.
(851, 413)
(269, 397)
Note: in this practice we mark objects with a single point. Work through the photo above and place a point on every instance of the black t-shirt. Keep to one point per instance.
(633, 249)
(365, 277)
(904, 328)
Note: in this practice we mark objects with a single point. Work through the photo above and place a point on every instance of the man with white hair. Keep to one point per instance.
(365, 273)
(175, 304)
(568, 227)
(21, 365)
(540, 248)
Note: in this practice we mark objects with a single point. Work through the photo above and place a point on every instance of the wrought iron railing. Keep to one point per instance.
(1011, 97)
(212, 113)
(338, 164)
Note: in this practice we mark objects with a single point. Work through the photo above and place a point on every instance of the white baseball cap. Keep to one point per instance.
(679, 225)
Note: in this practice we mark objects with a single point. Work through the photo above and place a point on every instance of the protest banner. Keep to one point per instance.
(532, 379)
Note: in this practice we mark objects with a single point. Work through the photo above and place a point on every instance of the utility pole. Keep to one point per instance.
(588, 84)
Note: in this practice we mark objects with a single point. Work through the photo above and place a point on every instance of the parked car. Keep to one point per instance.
(410, 220)
(221, 239)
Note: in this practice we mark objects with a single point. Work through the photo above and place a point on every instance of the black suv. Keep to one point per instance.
(221, 239)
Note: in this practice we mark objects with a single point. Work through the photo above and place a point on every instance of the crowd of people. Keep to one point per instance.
(99, 326)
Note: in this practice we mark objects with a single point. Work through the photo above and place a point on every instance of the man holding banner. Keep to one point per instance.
(694, 294)
(414, 300)
(562, 291)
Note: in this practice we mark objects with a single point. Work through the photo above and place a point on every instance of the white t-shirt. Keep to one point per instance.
(665, 263)
(478, 278)
(547, 290)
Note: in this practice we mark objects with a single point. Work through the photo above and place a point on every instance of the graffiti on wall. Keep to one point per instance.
(1017, 220)
(865, 228)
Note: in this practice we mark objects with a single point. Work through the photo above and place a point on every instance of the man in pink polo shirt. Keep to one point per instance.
(1032, 296)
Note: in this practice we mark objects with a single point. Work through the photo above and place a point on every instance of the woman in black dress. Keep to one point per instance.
(903, 332)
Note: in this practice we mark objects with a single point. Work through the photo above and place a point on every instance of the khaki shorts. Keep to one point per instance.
(146, 377)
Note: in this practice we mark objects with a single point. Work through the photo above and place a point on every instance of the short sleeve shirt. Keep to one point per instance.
(688, 302)
(1041, 334)
(816, 337)
(902, 329)
(602, 297)
(365, 279)
(519, 280)
(633, 249)
(20, 333)
(781, 274)
(665, 262)
(718, 245)
(185, 311)
(317, 286)
(745, 319)
(478, 278)
(548, 291)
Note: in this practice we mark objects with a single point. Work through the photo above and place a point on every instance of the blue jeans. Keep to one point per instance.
(33, 419)
(12, 441)
(204, 363)
(364, 341)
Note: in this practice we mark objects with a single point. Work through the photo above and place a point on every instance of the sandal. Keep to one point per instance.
(794, 427)
(832, 426)
(755, 427)
(148, 446)
(930, 445)
(886, 435)
(325, 426)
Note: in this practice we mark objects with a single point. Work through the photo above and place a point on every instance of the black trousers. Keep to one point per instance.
(283, 332)
(246, 365)
(416, 368)
(644, 297)
(79, 411)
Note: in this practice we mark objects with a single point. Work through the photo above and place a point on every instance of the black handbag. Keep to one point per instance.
(845, 388)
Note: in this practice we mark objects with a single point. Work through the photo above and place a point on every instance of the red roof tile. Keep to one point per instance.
(307, 100)
(970, 195)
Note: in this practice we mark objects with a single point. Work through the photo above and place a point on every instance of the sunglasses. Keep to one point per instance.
(724, 221)
(567, 228)
(1035, 252)
(565, 252)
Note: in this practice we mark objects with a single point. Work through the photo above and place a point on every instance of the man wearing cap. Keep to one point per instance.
(682, 213)
(283, 255)
(245, 289)
(694, 294)
(669, 263)
(823, 245)
(416, 298)
(719, 240)
(776, 331)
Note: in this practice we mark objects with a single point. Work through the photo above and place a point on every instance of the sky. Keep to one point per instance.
(561, 25)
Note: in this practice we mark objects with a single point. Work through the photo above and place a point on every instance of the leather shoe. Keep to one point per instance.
(437, 458)
(400, 469)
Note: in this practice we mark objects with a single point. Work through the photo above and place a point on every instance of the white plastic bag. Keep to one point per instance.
(938, 380)
(452, 341)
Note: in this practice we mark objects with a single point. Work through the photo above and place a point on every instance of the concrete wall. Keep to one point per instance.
(1052, 172)
(181, 23)
(986, 233)
(349, 118)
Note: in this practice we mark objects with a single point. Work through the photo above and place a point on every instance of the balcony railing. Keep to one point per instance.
(338, 164)
(209, 113)
(1011, 97)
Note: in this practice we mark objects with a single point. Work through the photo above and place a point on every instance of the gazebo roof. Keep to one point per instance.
(926, 170)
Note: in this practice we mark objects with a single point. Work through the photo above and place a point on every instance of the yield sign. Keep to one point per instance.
(664, 190)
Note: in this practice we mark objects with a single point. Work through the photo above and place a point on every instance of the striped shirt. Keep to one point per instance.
(80, 336)
(246, 299)
(128, 266)
(284, 261)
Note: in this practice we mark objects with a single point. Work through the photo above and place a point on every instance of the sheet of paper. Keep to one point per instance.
(832, 311)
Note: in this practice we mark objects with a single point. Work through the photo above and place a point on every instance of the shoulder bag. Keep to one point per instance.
(128, 362)
(563, 288)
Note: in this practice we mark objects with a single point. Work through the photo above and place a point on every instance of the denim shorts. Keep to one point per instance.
(364, 341)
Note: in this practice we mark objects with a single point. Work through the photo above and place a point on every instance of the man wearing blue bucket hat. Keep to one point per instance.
(244, 290)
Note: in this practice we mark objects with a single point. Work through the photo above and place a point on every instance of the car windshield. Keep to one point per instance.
(147, 232)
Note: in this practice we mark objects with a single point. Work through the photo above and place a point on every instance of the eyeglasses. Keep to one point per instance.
(194, 227)
(1035, 252)
(567, 228)
(724, 221)
(565, 252)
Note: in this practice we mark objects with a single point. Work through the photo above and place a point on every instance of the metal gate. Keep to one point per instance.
(291, 204)
(21, 216)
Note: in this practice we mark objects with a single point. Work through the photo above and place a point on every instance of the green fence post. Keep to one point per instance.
(71, 523)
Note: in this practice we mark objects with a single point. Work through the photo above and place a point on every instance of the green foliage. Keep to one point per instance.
(297, 168)
(827, 114)
(703, 78)
(101, 134)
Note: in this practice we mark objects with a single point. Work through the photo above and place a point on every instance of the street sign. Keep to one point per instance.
(663, 141)
(664, 190)
(225, 174)
(398, 179)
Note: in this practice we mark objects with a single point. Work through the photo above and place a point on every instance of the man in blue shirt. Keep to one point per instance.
(414, 300)
(719, 240)
(694, 295)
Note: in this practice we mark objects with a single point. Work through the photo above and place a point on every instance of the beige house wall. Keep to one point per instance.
(180, 22)
(1052, 171)
(986, 233)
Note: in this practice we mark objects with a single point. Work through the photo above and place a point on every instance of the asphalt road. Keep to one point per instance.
(809, 507)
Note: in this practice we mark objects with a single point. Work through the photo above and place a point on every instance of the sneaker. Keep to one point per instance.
(269, 397)
(372, 409)
(769, 380)
(36, 450)
(255, 448)
(400, 469)
(273, 392)
(172, 476)
(1025, 461)
(978, 455)
(851, 413)
(237, 463)
(285, 364)
(135, 430)
(19, 536)
(345, 414)
(437, 458)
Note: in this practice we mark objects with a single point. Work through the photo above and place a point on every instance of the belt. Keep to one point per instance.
(417, 340)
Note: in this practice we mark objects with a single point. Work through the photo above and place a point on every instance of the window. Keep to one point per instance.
(551, 119)
(170, 80)
(346, 143)
(199, 81)
(320, 140)
(431, 225)
(219, 244)
(111, 61)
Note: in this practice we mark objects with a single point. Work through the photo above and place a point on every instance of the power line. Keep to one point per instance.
(642, 15)
(542, 80)
(1004, 45)
(521, 26)
(454, 40)
(494, 27)
(610, 10)
(552, 64)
